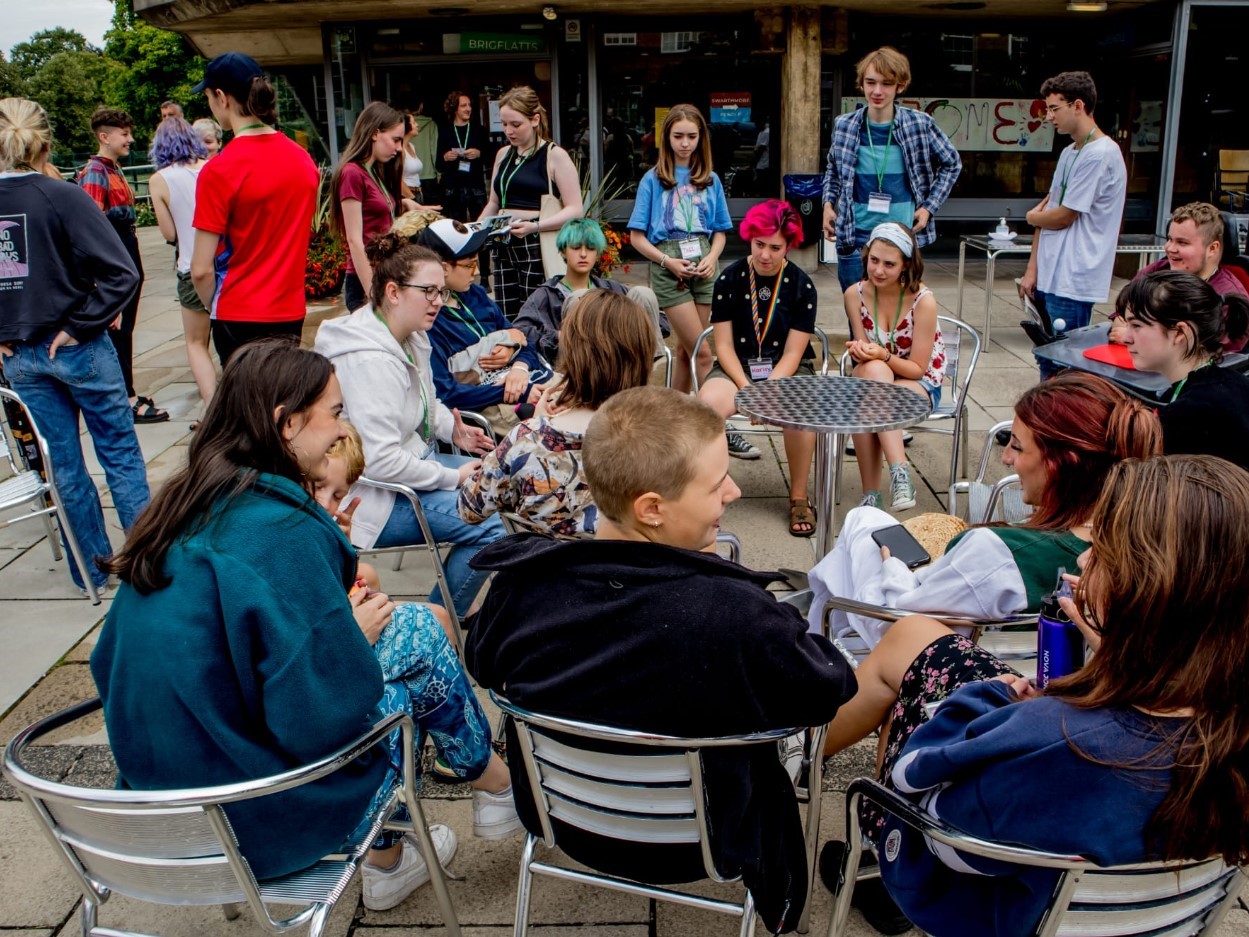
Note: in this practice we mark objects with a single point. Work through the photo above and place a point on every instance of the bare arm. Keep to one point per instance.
(203, 274)
(158, 188)
(1052, 219)
(796, 345)
(353, 225)
(722, 332)
(652, 253)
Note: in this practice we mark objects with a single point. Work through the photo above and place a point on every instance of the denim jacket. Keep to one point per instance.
(932, 166)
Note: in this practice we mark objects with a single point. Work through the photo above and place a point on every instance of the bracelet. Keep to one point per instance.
(888, 356)
(519, 364)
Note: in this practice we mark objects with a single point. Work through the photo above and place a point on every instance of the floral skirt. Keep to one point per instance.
(942, 667)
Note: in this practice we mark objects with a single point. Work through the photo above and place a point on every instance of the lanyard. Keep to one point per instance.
(420, 381)
(463, 144)
(471, 321)
(505, 181)
(754, 305)
(238, 130)
(1180, 386)
(1071, 165)
(390, 201)
(893, 332)
(881, 165)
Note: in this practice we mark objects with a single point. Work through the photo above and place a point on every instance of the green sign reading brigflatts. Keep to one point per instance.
(500, 42)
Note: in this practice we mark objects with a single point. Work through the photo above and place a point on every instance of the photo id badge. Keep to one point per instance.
(879, 201)
(465, 166)
(691, 249)
(760, 369)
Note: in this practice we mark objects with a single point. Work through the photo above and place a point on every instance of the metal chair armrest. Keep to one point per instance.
(886, 613)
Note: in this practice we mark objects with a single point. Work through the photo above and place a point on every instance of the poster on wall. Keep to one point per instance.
(1147, 127)
(496, 122)
(994, 124)
(730, 107)
(661, 114)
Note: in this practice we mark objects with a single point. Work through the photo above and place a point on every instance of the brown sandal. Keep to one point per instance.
(801, 514)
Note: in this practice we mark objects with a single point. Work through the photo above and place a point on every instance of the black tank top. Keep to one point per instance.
(522, 185)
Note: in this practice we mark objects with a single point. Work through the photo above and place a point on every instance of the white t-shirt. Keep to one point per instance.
(1078, 261)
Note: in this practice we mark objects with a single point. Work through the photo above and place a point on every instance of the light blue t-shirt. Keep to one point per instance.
(683, 209)
(880, 169)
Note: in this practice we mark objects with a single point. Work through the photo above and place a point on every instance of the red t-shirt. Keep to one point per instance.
(258, 194)
(356, 183)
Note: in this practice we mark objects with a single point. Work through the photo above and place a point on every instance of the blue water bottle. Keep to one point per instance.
(1060, 646)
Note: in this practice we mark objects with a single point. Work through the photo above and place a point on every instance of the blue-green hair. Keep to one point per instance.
(581, 232)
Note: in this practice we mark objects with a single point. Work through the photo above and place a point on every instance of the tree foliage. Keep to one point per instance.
(35, 52)
(71, 85)
(158, 64)
(12, 85)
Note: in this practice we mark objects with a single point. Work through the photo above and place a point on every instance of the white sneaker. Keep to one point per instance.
(494, 815)
(384, 889)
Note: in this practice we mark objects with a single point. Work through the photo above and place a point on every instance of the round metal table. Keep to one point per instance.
(832, 408)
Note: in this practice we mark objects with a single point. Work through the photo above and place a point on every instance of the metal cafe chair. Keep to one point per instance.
(988, 503)
(962, 352)
(25, 487)
(176, 847)
(655, 796)
(1159, 899)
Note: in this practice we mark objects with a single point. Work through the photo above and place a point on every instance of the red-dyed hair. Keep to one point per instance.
(1083, 426)
(772, 217)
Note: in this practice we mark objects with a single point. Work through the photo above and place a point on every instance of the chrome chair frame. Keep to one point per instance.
(678, 775)
(1086, 895)
(176, 847)
(974, 488)
(954, 408)
(26, 487)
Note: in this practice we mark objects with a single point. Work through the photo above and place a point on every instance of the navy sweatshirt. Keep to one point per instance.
(62, 265)
(1012, 772)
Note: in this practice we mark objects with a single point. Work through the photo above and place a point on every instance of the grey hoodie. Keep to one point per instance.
(386, 395)
(540, 317)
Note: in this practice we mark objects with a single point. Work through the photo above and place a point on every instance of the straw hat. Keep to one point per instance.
(935, 531)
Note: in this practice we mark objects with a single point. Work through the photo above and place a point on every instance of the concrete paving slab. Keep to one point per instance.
(35, 575)
(39, 893)
(61, 688)
(501, 930)
(34, 636)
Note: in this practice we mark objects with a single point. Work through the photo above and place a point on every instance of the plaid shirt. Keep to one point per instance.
(932, 166)
(105, 183)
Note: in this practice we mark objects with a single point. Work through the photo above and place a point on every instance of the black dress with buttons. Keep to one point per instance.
(795, 309)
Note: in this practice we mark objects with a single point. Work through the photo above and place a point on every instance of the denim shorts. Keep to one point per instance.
(934, 393)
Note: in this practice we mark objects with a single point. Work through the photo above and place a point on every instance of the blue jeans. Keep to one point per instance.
(84, 379)
(447, 527)
(850, 266)
(1074, 314)
(424, 679)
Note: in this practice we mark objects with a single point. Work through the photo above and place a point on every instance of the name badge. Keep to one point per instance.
(760, 369)
(879, 201)
(691, 249)
(465, 166)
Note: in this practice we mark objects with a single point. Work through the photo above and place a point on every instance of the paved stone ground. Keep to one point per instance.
(48, 633)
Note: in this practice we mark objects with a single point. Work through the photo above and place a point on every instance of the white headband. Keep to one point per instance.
(896, 235)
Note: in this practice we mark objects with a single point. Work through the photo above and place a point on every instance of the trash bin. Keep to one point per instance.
(805, 192)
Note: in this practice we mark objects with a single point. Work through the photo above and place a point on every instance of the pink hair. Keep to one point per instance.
(772, 217)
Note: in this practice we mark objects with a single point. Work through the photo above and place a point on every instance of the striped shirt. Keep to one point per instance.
(880, 169)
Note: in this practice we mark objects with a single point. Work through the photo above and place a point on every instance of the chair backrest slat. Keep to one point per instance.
(1147, 885)
(660, 768)
(1180, 913)
(200, 881)
(179, 833)
(633, 828)
(637, 799)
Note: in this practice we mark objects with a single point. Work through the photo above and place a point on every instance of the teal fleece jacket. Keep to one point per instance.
(247, 664)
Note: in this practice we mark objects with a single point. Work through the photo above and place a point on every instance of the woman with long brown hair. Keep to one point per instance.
(529, 167)
(367, 192)
(1141, 755)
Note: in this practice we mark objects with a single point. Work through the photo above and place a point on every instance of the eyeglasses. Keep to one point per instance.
(439, 293)
(1053, 109)
(473, 264)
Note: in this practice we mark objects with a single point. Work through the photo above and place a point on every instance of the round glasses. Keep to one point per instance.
(1053, 109)
(473, 264)
(432, 293)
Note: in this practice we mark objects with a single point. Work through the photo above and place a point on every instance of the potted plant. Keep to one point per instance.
(327, 256)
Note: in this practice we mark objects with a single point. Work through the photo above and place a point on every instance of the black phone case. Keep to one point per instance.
(903, 545)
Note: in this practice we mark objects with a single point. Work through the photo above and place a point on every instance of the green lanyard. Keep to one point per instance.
(420, 381)
(882, 166)
(1071, 165)
(390, 201)
(238, 130)
(463, 144)
(766, 324)
(471, 321)
(893, 332)
(505, 181)
(1180, 386)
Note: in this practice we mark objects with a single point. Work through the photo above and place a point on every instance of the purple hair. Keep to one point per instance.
(175, 142)
(772, 217)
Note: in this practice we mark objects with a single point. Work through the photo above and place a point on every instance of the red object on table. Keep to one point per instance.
(1111, 354)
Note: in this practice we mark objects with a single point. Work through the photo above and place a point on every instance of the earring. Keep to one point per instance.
(654, 523)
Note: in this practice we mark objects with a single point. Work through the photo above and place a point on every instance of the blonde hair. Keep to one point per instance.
(524, 101)
(25, 133)
(351, 450)
(606, 345)
(1205, 218)
(889, 62)
(645, 439)
(411, 223)
(700, 159)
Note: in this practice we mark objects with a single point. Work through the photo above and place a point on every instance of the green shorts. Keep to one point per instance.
(805, 366)
(671, 290)
(187, 295)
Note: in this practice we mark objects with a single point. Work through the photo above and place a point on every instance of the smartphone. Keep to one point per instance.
(902, 545)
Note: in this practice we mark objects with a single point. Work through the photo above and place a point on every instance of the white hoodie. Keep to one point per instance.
(382, 398)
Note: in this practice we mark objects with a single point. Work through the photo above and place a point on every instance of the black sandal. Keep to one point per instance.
(146, 411)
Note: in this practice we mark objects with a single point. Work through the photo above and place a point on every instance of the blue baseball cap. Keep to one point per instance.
(232, 72)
